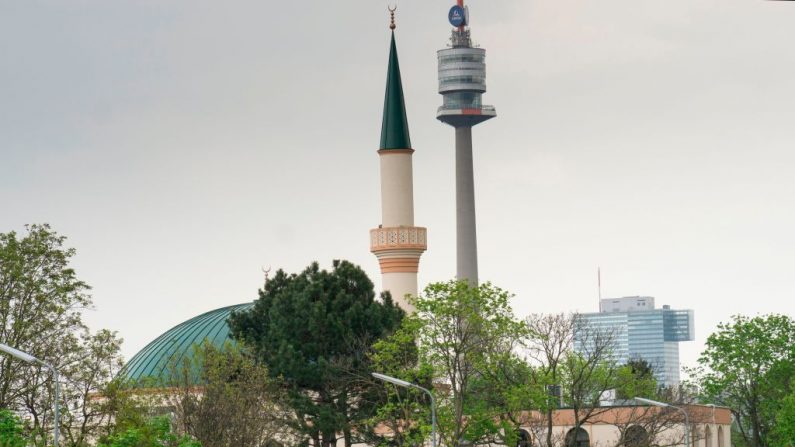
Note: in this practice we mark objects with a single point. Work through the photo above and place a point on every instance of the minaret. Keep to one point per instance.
(462, 81)
(397, 243)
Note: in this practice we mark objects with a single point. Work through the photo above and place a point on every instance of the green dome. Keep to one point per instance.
(176, 344)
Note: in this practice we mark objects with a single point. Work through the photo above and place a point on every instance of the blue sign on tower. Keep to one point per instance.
(456, 16)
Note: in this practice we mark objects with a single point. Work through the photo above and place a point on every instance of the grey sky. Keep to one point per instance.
(182, 145)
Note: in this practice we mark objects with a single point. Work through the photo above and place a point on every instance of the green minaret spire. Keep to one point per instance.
(395, 125)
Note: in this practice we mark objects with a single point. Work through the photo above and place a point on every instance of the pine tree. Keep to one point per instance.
(314, 330)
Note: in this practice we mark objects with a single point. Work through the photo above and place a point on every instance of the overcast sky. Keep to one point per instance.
(182, 145)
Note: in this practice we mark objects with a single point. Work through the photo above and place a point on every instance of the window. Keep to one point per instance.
(636, 436)
(525, 440)
(577, 437)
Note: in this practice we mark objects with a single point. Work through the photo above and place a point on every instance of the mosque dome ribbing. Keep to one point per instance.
(176, 344)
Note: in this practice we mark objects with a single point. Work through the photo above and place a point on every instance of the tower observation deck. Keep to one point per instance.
(462, 77)
(462, 82)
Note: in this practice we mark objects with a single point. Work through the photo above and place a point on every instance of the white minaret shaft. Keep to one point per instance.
(397, 188)
(397, 243)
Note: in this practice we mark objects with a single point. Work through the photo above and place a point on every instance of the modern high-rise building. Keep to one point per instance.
(626, 304)
(639, 331)
(462, 82)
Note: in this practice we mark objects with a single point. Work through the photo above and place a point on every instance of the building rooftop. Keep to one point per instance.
(176, 344)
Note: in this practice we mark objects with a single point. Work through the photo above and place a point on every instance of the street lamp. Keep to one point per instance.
(663, 404)
(405, 384)
(24, 356)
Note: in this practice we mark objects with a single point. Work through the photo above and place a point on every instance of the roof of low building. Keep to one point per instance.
(151, 364)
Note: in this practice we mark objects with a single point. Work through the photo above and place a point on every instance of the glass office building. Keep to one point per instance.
(638, 330)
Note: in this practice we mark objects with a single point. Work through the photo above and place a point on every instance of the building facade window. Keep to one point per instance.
(525, 440)
(577, 437)
(636, 436)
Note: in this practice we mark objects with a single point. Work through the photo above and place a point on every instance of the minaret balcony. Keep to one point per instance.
(391, 238)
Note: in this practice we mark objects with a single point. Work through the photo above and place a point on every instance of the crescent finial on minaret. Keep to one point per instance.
(392, 25)
(266, 272)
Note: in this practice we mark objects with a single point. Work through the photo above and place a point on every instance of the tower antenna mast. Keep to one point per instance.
(599, 285)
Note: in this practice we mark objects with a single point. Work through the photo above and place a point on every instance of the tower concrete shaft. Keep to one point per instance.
(466, 229)
(397, 243)
(462, 82)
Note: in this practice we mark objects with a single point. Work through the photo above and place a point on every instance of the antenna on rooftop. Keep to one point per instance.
(599, 285)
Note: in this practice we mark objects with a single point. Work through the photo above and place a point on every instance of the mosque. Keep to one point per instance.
(398, 244)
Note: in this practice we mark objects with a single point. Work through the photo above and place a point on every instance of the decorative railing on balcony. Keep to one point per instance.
(398, 237)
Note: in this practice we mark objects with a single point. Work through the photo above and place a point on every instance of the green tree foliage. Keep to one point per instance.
(784, 431)
(467, 335)
(126, 407)
(636, 379)
(41, 300)
(551, 339)
(155, 432)
(92, 361)
(405, 411)
(314, 330)
(11, 430)
(223, 397)
(749, 365)
(40, 303)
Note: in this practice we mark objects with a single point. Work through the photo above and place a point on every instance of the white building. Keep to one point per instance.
(632, 426)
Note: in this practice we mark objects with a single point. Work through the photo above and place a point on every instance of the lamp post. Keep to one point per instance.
(405, 384)
(663, 404)
(24, 356)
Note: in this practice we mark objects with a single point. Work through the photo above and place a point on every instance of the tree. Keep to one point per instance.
(580, 377)
(155, 432)
(11, 430)
(591, 373)
(575, 363)
(467, 335)
(40, 303)
(645, 425)
(636, 379)
(222, 397)
(551, 340)
(92, 362)
(41, 300)
(125, 407)
(784, 431)
(315, 330)
(749, 365)
(404, 411)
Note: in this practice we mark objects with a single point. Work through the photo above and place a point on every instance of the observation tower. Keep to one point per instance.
(462, 82)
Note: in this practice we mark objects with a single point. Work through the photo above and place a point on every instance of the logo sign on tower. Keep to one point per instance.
(456, 16)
